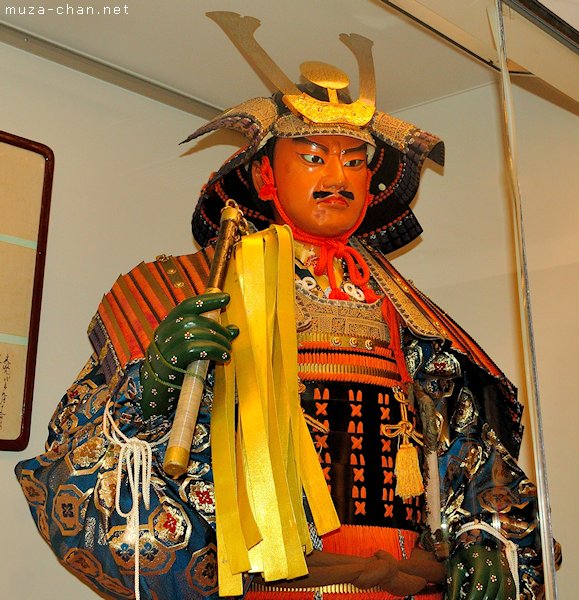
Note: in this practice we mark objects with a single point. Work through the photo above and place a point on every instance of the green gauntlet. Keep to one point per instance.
(479, 571)
(184, 336)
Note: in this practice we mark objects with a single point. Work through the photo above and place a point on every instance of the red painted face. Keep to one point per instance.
(321, 181)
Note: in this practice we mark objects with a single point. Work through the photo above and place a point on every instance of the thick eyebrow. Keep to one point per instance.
(361, 148)
(305, 140)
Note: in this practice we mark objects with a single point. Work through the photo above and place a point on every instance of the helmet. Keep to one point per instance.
(319, 108)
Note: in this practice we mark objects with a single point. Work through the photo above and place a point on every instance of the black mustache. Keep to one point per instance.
(345, 193)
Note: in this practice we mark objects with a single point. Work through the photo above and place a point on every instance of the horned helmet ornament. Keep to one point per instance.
(321, 108)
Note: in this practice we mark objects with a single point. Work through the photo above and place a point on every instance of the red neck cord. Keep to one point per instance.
(331, 248)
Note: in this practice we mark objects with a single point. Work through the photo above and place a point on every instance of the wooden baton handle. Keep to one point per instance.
(183, 428)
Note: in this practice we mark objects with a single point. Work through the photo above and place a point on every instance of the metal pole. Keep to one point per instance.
(528, 343)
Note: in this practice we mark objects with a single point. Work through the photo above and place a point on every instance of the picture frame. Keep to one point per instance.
(26, 173)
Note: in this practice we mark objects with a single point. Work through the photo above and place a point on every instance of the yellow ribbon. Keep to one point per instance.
(265, 460)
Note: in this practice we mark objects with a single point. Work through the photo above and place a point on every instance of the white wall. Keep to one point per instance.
(124, 193)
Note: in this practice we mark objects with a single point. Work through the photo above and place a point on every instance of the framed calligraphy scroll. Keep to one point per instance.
(26, 169)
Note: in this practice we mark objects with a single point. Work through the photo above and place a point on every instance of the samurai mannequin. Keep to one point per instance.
(414, 428)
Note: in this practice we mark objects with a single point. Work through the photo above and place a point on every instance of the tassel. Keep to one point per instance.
(407, 470)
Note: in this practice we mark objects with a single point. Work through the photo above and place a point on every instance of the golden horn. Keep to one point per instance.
(240, 31)
(361, 47)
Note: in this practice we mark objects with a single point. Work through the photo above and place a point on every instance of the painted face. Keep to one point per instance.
(321, 182)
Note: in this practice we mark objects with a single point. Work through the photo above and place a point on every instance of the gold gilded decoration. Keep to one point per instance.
(490, 437)
(319, 340)
(498, 499)
(196, 470)
(527, 488)
(443, 364)
(85, 565)
(200, 438)
(155, 559)
(516, 528)
(83, 434)
(111, 458)
(325, 75)
(334, 588)
(34, 491)
(325, 348)
(82, 562)
(357, 113)
(361, 47)
(291, 125)
(87, 368)
(107, 346)
(42, 523)
(170, 525)
(105, 492)
(341, 320)
(53, 453)
(392, 130)
(240, 31)
(413, 317)
(438, 388)
(503, 475)
(262, 110)
(201, 495)
(473, 459)
(67, 509)
(68, 419)
(94, 399)
(456, 513)
(122, 552)
(466, 412)
(87, 457)
(201, 572)
(115, 379)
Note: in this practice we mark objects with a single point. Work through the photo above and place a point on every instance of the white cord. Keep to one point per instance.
(136, 456)
(510, 547)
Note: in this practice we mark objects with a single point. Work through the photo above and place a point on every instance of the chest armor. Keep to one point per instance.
(347, 373)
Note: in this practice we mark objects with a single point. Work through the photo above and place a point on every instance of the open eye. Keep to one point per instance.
(313, 159)
(355, 162)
